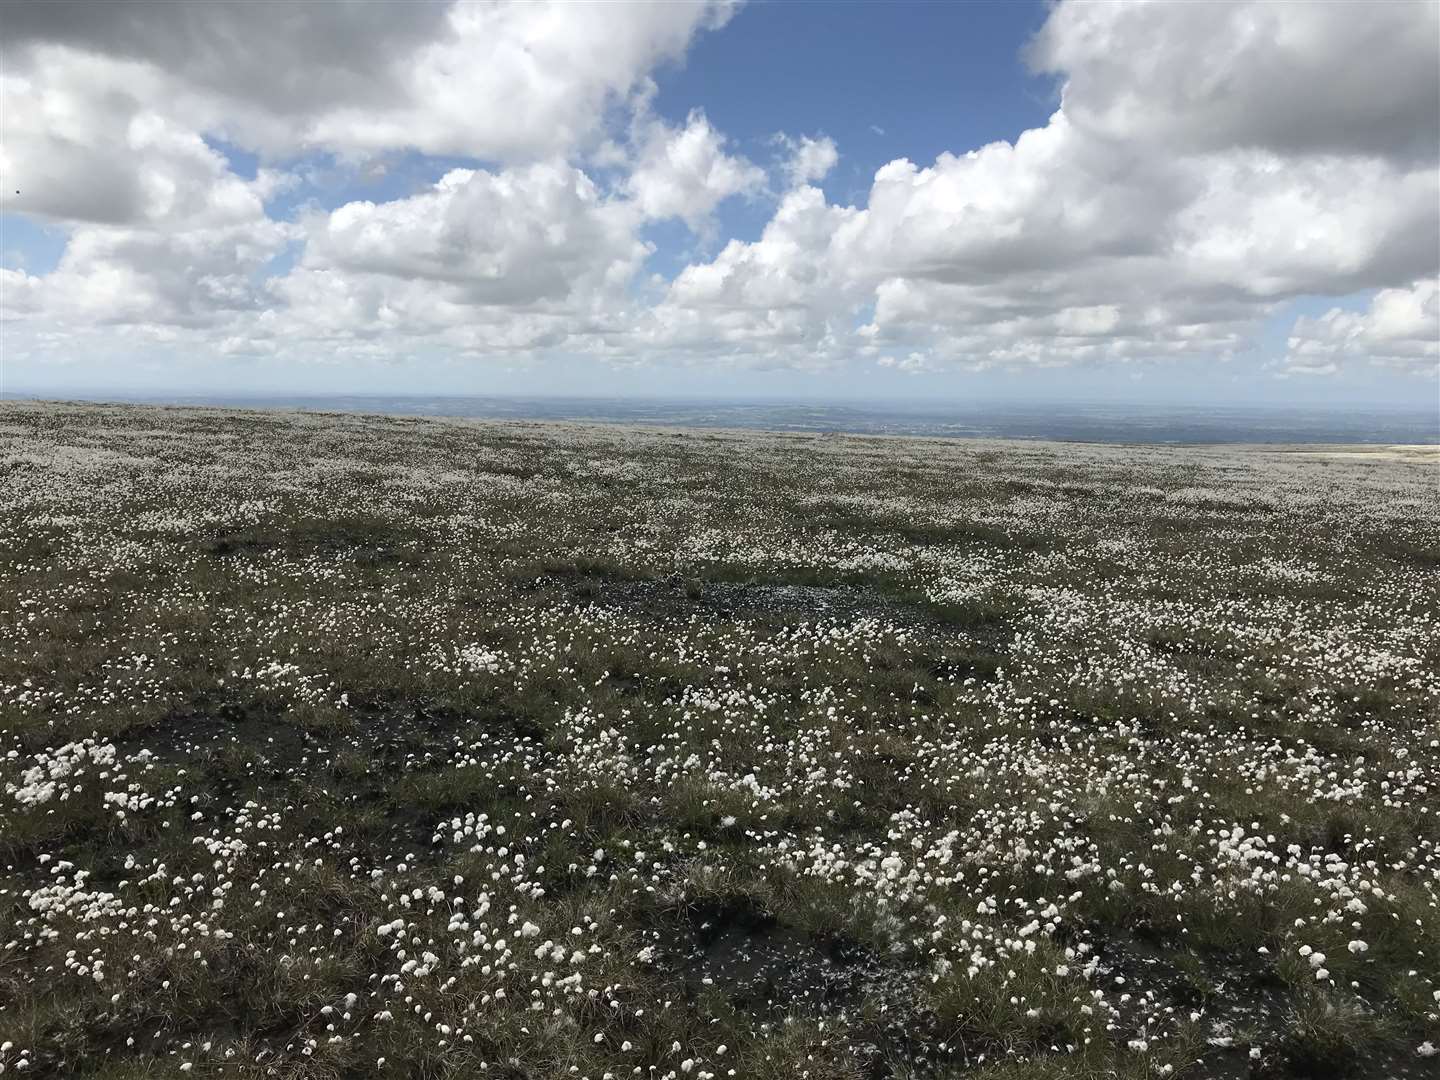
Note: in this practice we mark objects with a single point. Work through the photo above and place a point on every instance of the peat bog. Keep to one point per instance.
(341, 746)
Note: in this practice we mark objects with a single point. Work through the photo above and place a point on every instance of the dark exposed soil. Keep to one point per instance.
(768, 970)
(680, 597)
(206, 725)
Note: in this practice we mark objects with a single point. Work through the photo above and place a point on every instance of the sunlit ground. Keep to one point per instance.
(335, 746)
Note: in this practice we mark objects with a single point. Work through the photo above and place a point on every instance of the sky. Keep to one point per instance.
(1226, 202)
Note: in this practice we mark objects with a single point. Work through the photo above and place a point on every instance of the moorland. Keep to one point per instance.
(342, 746)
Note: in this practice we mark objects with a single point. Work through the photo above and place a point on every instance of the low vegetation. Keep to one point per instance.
(338, 746)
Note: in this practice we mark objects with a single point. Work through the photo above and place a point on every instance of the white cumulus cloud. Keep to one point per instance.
(1400, 329)
(1336, 76)
(530, 235)
(686, 172)
(810, 159)
(1205, 165)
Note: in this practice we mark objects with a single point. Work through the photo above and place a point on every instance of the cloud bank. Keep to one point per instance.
(1206, 165)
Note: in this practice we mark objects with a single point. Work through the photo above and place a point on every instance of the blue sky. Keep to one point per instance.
(901, 79)
(838, 201)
